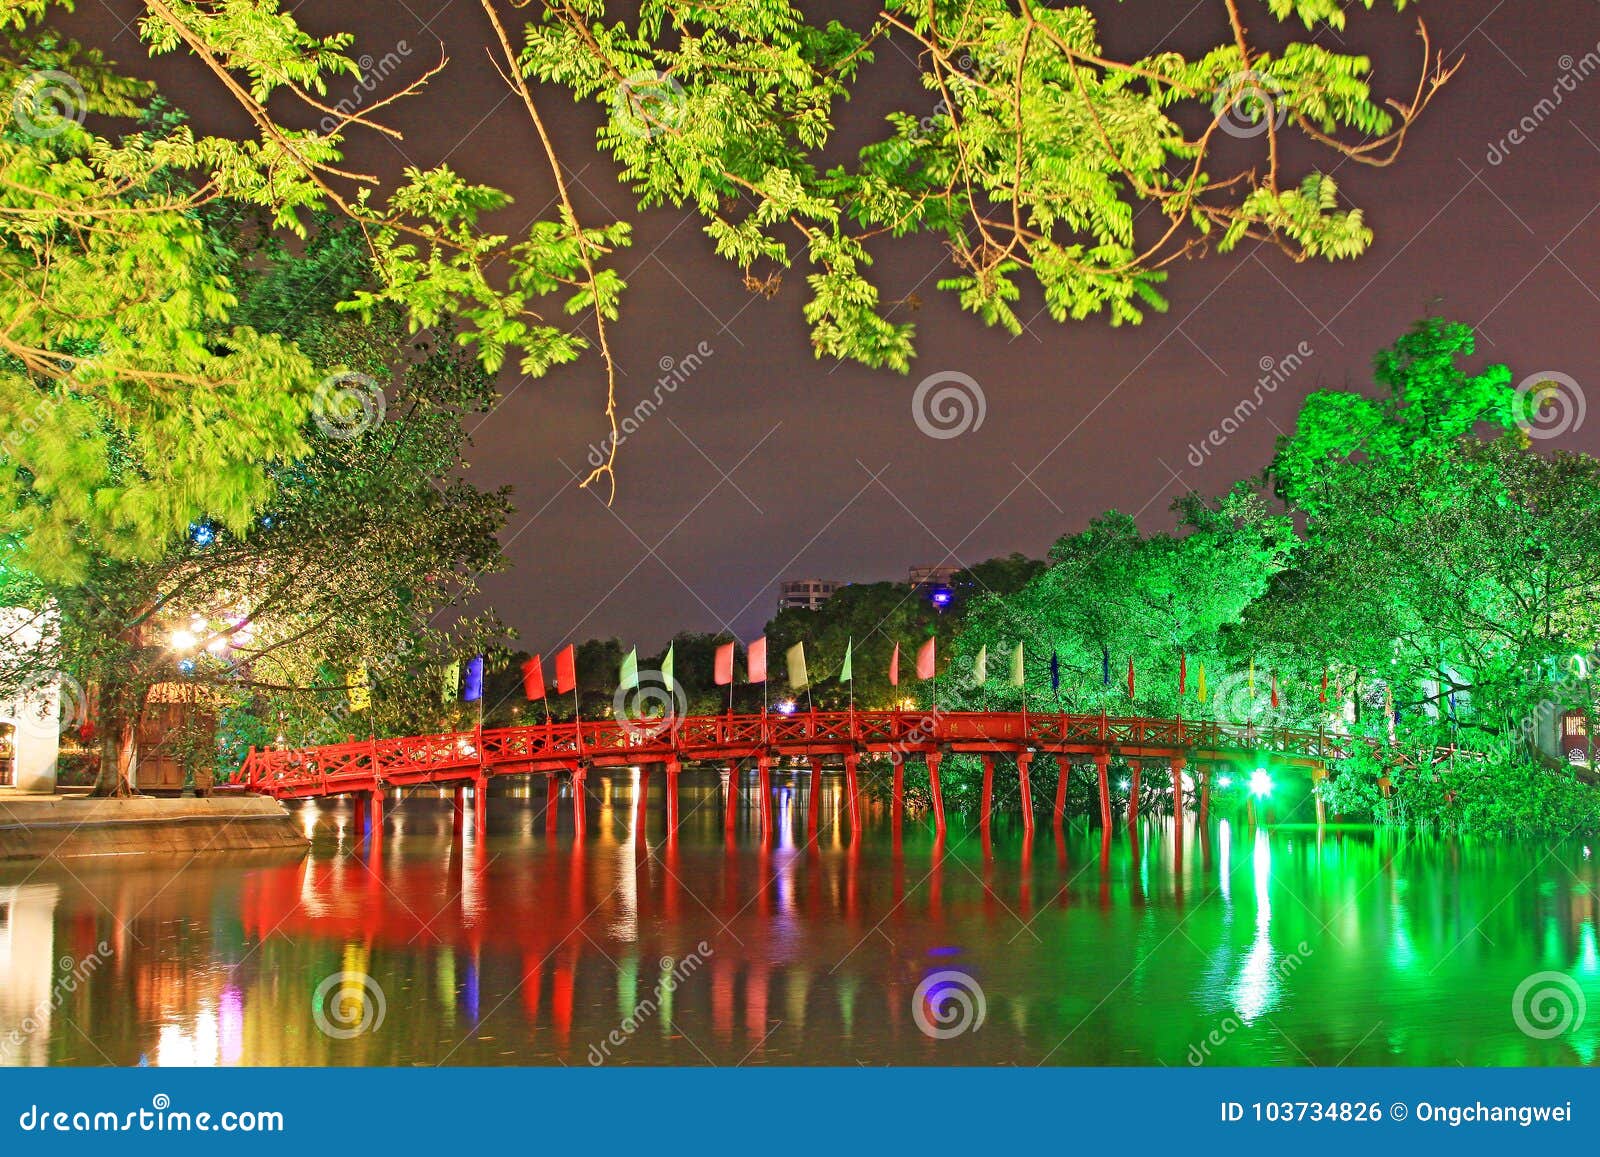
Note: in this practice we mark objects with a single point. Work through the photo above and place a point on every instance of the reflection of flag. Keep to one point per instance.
(666, 669)
(449, 680)
(755, 661)
(566, 670)
(1200, 685)
(1017, 674)
(1055, 670)
(925, 659)
(628, 677)
(795, 659)
(722, 670)
(360, 693)
(980, 666)
(847, 672)
(472, 690)
(533, 679)
(894, 666)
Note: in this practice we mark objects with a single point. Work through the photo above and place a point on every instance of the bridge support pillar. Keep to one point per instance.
(1204, 774)
(480, 806)
(1102, 770)
(358, 816)
(1179, 762)
(671, 769)
(764, 785)
(1135, 767)
(852, 792)
(936, 791)
(641, 808)
(1318, 776)
(986, 810)
(375, 815)
(458, 812)
(733, 796)
(1025, 785)
(552, 802)
(580, 804)
(1064, 774)
(897, 806)
(814, 799)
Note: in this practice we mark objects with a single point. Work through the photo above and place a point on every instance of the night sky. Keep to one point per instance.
(768, 464)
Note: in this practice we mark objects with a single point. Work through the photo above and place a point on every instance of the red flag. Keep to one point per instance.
(894, 667)
(755, 660)
(566, 670)
(1323, 698)
(533, 679)
(1183, 671)
(1130, 678)
(1274, 688)
(723, 671)
(925, 659)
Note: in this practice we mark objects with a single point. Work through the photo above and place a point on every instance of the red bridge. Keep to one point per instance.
(367, 768)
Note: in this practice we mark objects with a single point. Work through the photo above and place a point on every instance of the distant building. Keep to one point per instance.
(30, 717)
(932, 576)
(805, 594)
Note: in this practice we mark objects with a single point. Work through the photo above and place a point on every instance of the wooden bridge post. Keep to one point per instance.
(375, 815)
(458, 812)
(933, 758)
(1318, 775)
(358, 816)
(1064, 774)
(897, 807)
(764, 785)
(480, 807)
(814, 799)
(1135, 767)
(852, 792)
(1025, 784)
(1179, 762)
(552, 802)
(671, 768)
(1102, 768)
(986, 812)
(580, 803)
(733, 796)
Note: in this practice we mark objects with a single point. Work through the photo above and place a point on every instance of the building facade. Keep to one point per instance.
(805, 594)
(30, 716)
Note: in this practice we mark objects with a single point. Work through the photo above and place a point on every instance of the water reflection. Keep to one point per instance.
(630, 947)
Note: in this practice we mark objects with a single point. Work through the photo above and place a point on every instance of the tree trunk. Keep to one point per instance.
(118, 745)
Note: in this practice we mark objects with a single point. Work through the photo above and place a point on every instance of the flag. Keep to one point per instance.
(925, 659)
(847, 672)
(360, 693)
(1274, 688)
(755, 661)
(628, 677)
(566, 670)
(1183, 672)
(472, 688)
(1130, 678)
(795, 657)
(1105, 668)
(666, 669)
(722, 672)
(1251, 679)
(980, 666)
(1200, 685)
(1055, 670)
(1018, 676)
(1323, 697)
(533, 679)
(449, 681)
(894, 666)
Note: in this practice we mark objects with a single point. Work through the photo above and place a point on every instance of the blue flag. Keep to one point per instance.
(1055, 671)
(1105, 667)
(472, 685)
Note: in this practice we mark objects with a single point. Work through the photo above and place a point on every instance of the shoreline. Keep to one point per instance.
(67, 827)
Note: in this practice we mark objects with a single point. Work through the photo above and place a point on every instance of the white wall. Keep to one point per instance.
(35, 712)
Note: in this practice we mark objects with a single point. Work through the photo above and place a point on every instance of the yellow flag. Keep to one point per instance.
(1200, 687)
(1252, 679)
(360, 693)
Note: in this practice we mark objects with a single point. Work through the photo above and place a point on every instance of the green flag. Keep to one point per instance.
(796, 656)
(630, 670)
(980, 666)
(449, 683)
(1017, 678)
(666, 669)
(845, 674)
